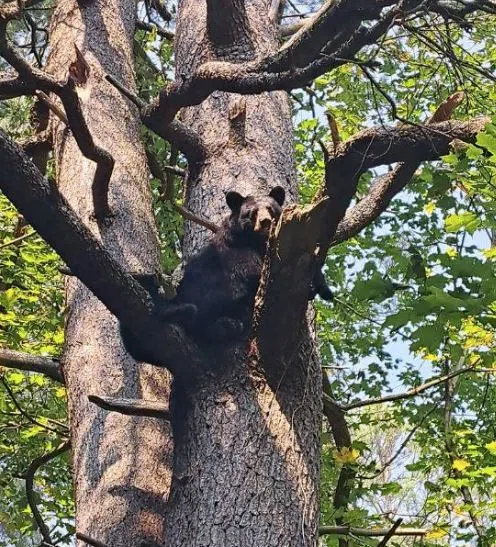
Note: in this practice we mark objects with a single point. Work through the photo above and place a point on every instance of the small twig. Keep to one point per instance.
(372, 532)
(68, 95)
(26, 414)
(132, 407)
(89, 541)
(29, 478)
(416, 390)
(125, 91)
(52, 106)
(17, 239)
(168, 193)
(400, 448)
(390, 534)
(167, 34)
(175, 170)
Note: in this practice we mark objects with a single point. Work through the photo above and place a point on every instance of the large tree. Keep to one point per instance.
(216, 446)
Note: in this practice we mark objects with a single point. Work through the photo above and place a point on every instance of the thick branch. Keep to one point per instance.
(174, 131)
(326, 41)
(51, 215)
(330, 27)
(132, 407)
(375, 202)
(14, 87)
(387, 186)
(386, 145)
(23, 361)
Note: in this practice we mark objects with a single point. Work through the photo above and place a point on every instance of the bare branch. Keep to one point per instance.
(11, 87)
(385, 540)
(386, 145)
(372, 532)
(416, 390)
(168, 193)
(401, 447)
(51, 215)
(48, 366)
(69, 97)
(14, 242)
(89, 540)
(328, 29)
(132, 407)
(178, 134)
(53, 107)
(164, 33)
(174, 170)
(387, 186)
(29, 477)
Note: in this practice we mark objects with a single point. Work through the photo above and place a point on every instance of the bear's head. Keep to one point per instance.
(255, 214)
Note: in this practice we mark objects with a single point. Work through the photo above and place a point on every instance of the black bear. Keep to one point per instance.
(215, 298)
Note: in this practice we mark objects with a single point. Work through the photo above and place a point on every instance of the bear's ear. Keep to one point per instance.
(279, 194)
(234, 201)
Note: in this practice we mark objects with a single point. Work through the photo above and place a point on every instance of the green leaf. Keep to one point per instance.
(467, 220)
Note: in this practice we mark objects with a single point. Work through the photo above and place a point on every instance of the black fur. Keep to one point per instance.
(319, 287)
(215, 298)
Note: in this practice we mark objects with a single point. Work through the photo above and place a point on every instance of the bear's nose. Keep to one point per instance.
(265, 224)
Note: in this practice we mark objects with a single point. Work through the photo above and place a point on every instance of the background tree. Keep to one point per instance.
(414, 307)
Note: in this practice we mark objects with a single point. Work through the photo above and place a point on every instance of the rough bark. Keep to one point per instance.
(246, 433)
(121, 463)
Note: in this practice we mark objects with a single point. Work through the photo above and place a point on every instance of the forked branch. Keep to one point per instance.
(29, 477)
(385, 187)
(35, 79)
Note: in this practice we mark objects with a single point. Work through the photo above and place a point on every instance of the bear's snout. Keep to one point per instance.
(263, 222)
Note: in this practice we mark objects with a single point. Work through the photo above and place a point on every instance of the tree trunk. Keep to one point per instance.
(122, 464)
(246, 465)
(246, 432)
